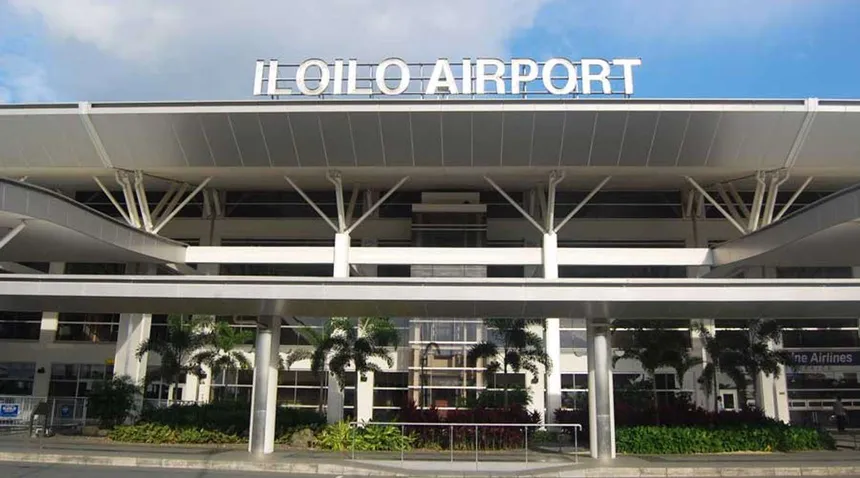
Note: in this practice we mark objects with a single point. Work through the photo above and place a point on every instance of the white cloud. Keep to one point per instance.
(679, 23)
(163, 49)
(23, 81)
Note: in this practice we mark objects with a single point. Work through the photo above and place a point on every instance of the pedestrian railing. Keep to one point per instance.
(472, 431)
(17, 413)
(165, 403)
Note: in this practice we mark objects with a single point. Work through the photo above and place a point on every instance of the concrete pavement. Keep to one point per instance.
(60, 451)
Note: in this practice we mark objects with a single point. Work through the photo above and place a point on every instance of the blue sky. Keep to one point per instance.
(97, 50)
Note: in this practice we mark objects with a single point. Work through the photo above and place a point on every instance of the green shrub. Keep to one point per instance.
(111, 401)
(342, 437)
(161, 434)
(647, 440)
(231, 418)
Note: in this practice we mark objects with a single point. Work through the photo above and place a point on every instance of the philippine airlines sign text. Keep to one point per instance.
(391, 77)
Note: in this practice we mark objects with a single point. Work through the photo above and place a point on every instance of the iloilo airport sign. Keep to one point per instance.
(482, 76)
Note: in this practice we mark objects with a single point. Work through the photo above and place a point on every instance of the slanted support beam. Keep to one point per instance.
(778, 179)
(312, 204)
(11, 234)
(334, 177)
(376, 205)
(15, 268)
(113, 201)
(582, 204)
(142, 202)
(792, 199)
(758, 199)
(716, 204)
(171, 214)
(516, 206)
(730, 204)
(128, 193)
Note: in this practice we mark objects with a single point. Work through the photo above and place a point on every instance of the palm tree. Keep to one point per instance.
(759, 357)
(292, 356)
(432, 346)
(682, 362)
(743, 356)
(184, 337)
(521, 349)
(220, 350)
(319, 356)
(357, 343)
(653, 346)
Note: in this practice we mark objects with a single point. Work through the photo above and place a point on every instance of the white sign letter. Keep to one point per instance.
(272, 86)
(518, 76)
(381, 70)
(442, 69)
(258, 78)
(548, 67)
(301, 81)
(602, 76)
(467, 77)
(337, 78)
(481, 75)
(628, 65)
(352, 80)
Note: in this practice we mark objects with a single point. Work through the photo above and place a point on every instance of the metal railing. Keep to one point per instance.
(527, 427)
(16, 412)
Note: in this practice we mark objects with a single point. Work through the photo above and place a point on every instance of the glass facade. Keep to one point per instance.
(431, 366)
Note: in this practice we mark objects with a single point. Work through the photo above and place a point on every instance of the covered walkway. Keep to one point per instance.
(272, 298)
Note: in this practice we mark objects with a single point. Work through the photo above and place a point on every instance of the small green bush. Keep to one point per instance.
(342, 437)
(231, 418)
(651, 440)
(112, 400)
(163, 434)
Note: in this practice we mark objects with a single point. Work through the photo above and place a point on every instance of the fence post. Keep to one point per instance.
(402, 445)
(353, 441)
(576, 444)
(526, 429)
(53, 412)
(476, 445)
(451, 442)
(84, 417)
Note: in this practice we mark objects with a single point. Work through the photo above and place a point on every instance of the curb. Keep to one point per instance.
(338, 469)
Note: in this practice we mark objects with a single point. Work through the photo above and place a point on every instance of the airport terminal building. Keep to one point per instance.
(436, 211)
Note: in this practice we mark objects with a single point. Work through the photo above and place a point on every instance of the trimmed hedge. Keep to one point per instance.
(652, 440)
(163, 434)
(229, 418)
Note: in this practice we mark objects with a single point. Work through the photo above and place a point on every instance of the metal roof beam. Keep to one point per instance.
(11, 234)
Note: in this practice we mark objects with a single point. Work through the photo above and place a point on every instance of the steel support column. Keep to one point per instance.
(600, 390)
(265, 388)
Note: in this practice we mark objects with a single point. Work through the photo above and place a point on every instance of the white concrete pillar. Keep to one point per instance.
(553, 332)
(364, 399)
(47, 336)
(133, 330)
(700, 397)
(265, 388)
(334, 404)
(600, 391)
(341, 255)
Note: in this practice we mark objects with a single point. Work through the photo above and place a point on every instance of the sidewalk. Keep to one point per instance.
(87, 452)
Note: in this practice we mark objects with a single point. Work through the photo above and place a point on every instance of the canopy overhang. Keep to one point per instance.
(378, 140)
(455, 298)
